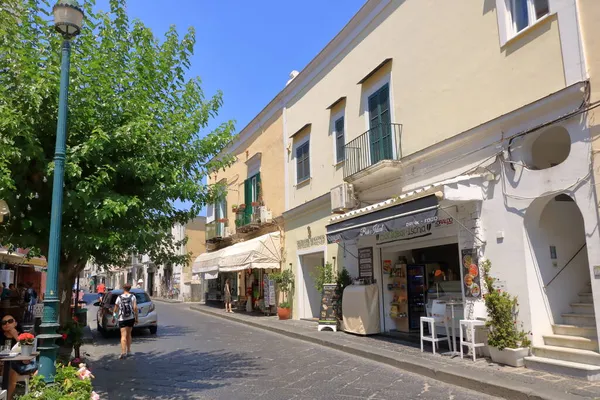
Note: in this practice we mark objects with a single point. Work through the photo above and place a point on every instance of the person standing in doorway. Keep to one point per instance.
(127, 312)
(140, 284)
(228, 296)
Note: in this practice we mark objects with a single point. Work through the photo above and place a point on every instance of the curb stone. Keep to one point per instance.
(170, 301)
(485, 382)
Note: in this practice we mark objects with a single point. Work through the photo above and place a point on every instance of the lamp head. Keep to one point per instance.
(68, 18)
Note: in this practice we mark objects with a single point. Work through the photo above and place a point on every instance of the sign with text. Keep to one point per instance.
(414, 232)
(365, 262)
(311, 242)
(328, 316)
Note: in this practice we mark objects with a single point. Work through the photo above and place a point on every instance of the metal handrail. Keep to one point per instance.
(382, 142)
(568, 262)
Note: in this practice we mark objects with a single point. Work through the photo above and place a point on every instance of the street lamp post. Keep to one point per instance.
(68, 19)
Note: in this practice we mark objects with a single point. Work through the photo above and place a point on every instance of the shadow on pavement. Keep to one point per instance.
(144, 335)
(189, 372)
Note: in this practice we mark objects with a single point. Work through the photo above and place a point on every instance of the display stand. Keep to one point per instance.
(399, 305)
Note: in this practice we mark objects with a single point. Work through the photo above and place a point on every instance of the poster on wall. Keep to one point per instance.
(471, 276)
(365, 262)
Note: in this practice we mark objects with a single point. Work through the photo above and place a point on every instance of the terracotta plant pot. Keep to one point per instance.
(284, 313)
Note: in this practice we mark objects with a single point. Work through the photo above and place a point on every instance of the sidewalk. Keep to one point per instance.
(482, 376)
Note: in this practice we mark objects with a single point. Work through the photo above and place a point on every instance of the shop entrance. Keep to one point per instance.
(310, 298)
(413, 279)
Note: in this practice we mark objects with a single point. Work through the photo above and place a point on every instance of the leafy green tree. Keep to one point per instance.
(135, 136)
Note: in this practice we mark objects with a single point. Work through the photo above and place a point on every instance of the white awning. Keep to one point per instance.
(207, 262)
(262, 252)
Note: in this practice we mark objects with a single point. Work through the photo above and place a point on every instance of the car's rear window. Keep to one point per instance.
(140, 298)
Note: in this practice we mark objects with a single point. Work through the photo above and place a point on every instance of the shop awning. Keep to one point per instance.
(262, 252)
(207, 262)
(399, 216)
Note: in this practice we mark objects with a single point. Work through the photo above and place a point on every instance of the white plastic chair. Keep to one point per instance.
(25, 378)
(438, 316)
(469, 325)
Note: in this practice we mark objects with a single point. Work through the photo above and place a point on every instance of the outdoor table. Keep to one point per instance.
(453, 303)
(7, 365)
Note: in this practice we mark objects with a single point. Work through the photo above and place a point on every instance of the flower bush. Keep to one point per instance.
(26, 339)
(71, 383)
(72, 333)
(502, 316)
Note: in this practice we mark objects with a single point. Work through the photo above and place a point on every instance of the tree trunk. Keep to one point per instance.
(66, 279)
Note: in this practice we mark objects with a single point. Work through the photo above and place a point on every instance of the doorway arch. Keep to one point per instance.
(557, 242)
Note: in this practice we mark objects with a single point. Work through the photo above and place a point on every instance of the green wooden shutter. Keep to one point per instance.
(258, 187)
(247, 201)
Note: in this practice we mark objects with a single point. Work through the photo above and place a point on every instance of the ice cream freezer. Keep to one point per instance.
(360, 309)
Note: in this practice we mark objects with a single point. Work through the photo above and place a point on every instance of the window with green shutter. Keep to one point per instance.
(303, 162)
(339, 140)
(251, 194)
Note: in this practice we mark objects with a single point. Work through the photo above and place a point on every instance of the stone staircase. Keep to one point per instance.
(573, 348)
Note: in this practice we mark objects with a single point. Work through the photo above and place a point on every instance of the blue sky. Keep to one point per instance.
(247, 48)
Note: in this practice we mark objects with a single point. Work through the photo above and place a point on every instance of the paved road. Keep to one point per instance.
(195, 356)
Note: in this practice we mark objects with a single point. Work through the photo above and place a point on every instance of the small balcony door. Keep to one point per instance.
(380, 132)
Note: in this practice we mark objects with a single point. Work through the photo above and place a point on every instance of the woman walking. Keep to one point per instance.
(127, 311)
(228, 295)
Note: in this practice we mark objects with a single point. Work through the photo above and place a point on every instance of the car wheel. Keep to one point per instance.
(153, 329)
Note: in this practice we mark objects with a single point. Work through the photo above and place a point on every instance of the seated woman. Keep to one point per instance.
(11, 331)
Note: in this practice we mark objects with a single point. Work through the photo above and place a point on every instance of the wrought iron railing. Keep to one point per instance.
(382, 142)
(215, 230)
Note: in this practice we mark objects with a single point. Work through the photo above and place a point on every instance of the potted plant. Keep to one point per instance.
(285, 284)
(241, 207)
(26, 341)
(324, 274)
(234, 208)
(343, 279)
(508, 343)
(71, 338)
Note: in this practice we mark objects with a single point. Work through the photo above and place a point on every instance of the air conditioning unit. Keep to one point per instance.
(226, 231)
(342, 198)
(264, 214)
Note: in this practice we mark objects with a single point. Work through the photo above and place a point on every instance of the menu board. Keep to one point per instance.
(267, 293)
(365, 262)
(471, 275)
(329, 305)
(271, 292)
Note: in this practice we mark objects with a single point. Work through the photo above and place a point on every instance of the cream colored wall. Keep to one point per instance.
(295, 230)
(269, 142)
(448, 74)
(195, 231)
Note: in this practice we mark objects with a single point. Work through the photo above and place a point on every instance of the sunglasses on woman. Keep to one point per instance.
(7, 321)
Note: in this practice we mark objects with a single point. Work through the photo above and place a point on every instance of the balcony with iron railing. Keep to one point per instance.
(375, 153)
(216, 231)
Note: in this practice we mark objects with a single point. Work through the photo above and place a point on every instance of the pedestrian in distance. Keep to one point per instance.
(127, 313)
(228, 296)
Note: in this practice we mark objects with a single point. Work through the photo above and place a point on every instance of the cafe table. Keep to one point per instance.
(8, 360)
(452, 304)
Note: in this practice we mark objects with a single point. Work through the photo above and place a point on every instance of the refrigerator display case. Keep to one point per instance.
(416, 294)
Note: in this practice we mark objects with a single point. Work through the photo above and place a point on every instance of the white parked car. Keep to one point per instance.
(147, 316)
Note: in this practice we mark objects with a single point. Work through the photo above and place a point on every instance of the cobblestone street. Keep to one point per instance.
(195, 356)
